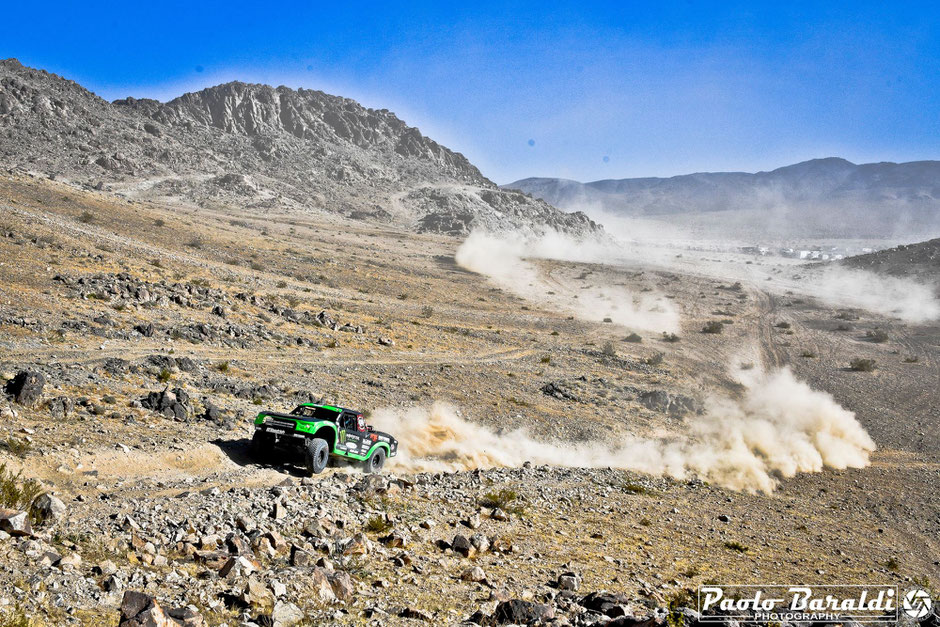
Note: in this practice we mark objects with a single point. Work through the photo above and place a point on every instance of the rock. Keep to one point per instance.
(237, 544)
(569, 581)
(300, 557)
(498, 514)
(473, 522)
(212, 559)
(256, 593)
(386, 341)
(320, 586)
(343, 586)
(724, 518)
(286, 615)
(146, 329)
(72, 559)
(480, 542)
(415, 614)
(663, 401)
(60, 407)
(474, 574)
(141, 610)
(394, 540)
(607, 603)
(461, 544)
(278, 589)
(26, 387)
(237, 566)
(519, 612)
(107, 567)
(186, 617)
(357, 545)
(15, 523)
(47, 508)
(173, 404)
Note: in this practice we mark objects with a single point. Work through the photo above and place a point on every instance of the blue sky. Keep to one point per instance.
(577, 90)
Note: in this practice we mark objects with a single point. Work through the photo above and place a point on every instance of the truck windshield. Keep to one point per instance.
(317, 413)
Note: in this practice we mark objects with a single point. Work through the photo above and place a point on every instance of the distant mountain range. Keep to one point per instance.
(821, 197)
(257, 147)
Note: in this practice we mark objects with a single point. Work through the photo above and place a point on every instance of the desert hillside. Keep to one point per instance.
(141, 338)
(258, 147)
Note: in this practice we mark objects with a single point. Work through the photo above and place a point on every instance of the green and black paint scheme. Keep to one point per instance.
(318, 431)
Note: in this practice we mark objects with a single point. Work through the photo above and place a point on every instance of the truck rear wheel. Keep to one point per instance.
(376, 461)
(316, 454)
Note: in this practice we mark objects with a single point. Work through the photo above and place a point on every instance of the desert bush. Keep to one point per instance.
(427, 311)
(633, 338)
(164, 376)
(860, 364)
(546, 360)
(159, 222)
(878, 336)
(783, 325)
(609, 349)
(736, 546)
(222, 366)
(672, 338)
(911, 359)
(378, 524)
(713, 326)
(505, 499)
(282, 284)
(808, 354)
(16, 446)
(86, 218)
(16, 492)
(654, 360)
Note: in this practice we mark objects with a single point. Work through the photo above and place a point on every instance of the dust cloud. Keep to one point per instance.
(507, 260)
(778, 428)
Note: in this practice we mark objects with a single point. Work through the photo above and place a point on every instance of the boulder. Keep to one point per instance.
(141, 610)
(47, 508)
(15, 523)
(343, 586)
(519, 612)
(60, 407)
(462, 545)
(286, 615)
(26, 387)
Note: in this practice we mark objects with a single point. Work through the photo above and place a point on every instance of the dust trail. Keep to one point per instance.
(779, 428)
(505, 259)
(646, 242)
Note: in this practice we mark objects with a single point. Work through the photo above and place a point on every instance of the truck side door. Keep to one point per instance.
(349, 433)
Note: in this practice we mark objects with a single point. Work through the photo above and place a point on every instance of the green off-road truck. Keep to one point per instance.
(318, 431)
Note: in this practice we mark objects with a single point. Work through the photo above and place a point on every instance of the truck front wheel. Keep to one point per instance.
(317, 453)
(261, 447)
(376, 461)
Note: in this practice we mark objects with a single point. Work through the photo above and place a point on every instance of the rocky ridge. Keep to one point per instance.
(255, 146)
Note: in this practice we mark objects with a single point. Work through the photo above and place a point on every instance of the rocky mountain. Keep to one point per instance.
(821, 197)
(921, 260)
(259, 147)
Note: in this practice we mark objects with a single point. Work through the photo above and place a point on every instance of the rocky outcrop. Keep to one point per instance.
(256, 146)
